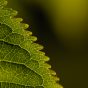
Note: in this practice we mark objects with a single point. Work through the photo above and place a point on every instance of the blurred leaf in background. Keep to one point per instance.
(61, 26)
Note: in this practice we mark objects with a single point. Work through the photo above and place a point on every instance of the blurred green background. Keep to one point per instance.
(62, 28)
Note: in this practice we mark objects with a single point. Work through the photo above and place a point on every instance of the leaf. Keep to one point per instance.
(22, 63)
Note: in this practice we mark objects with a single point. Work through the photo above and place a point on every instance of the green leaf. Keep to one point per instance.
(22, 63)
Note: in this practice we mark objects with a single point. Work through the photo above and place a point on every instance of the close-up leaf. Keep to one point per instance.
(22, 63)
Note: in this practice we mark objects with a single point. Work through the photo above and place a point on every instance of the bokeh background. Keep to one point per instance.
(62, 28)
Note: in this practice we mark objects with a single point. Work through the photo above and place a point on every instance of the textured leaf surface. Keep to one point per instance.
(22, 64)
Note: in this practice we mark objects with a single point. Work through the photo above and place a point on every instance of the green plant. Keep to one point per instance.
(22, 64)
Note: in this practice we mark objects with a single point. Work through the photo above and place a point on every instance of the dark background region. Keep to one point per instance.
(69, 57)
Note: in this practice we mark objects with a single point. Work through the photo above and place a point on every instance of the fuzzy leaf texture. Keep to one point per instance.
(22, 63)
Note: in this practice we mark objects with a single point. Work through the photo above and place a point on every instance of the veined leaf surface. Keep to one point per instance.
(22, 63)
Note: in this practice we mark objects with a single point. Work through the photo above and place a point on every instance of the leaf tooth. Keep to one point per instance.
(14, 13)
(36, 46)
(32, 38)
(46, 65)
(55, 78)
(58, 86)
(38, 54)
(41, 53)
(18, 20)
(28, 33)
(11, 12)
(39, 58)
(24, 26)
(52, 72)
(46, 58)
